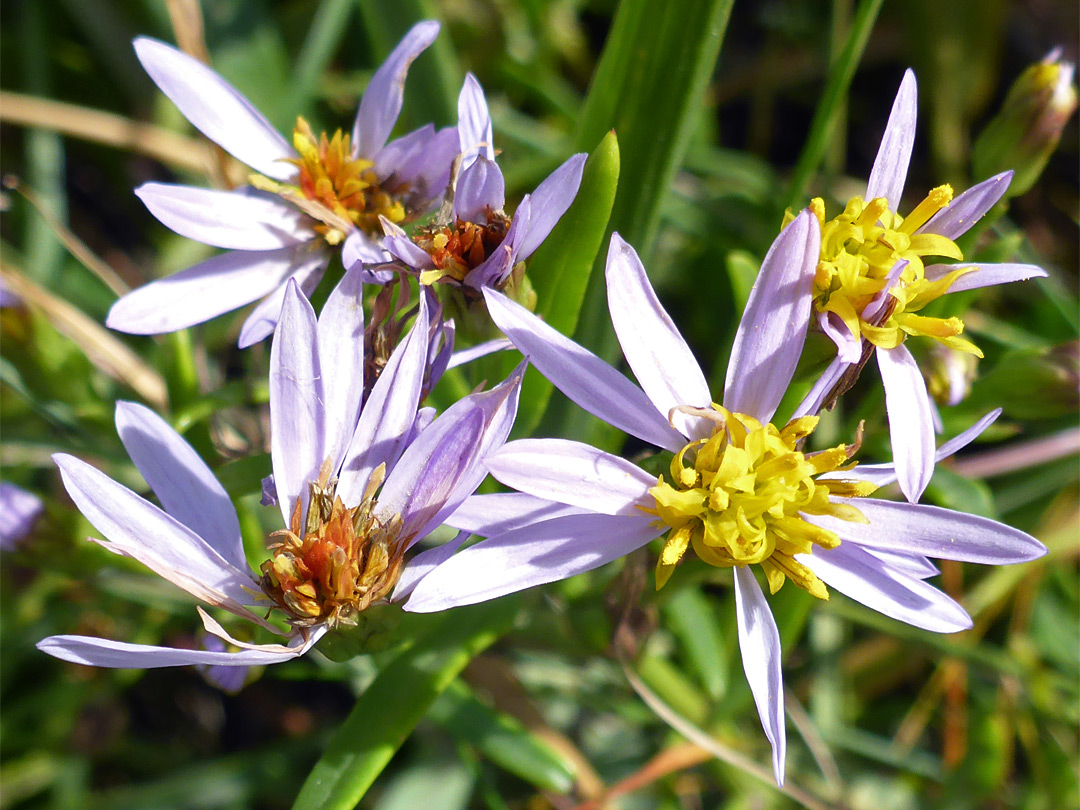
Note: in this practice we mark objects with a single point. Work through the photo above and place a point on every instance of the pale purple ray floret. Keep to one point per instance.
(19, 511)
(319, 424)
(577, 507)
(479, 197)
(911, 412)
(268, 239)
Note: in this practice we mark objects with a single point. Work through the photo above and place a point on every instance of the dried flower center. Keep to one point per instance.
(337, 189)
(860, 249)
(456, 251)
(738, 498)
(333, 566)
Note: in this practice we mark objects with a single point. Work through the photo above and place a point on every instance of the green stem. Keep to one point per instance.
(829, 110)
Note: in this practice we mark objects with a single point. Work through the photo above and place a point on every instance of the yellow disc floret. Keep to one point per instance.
(860, 249)
(738, 498)
(337, 189)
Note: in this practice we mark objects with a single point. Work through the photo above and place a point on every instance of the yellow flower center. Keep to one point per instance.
(456, 251)
(338, 190)
(738, 498)
(859, 249)
(340, 561)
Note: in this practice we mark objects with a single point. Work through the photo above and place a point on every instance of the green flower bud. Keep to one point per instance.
(1026, 130)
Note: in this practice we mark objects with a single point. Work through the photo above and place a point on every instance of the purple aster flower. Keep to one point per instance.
(478, 245)
(303, 199)
(19, 511)
(741, 492)
(871, 281)
(356, 483)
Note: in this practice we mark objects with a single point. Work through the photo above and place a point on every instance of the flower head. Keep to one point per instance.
(304, 198)
(358, 480)
(477, 244)
(741, 491)
(872, 280)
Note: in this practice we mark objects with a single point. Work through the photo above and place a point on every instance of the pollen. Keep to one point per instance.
(860, 249)
(338, 562)
(738, 498)
(338, 190)
(458, 250)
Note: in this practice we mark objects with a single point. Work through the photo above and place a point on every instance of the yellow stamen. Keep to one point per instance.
(337, 189)
(738, 498)
(860, 249)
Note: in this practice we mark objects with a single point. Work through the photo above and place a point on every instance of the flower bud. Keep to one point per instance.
(1027, 128)
(949, 374)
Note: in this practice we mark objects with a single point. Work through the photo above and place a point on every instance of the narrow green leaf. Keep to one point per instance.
(648, 88)
(502, 739)
(559, 270)
(396, 701)
(322, 42)
(828, 112)
(694, 622)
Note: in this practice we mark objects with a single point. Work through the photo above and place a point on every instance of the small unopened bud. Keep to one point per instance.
(1026, 130)
(950, 374)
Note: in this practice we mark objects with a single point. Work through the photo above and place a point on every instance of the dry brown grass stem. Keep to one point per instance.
(170, 148)
(103, 350)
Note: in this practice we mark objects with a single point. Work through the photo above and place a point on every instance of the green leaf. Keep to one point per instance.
(397, 700)
(502, 739)
(648, 88)
(693, 621)
(321, 43)
(559, 270)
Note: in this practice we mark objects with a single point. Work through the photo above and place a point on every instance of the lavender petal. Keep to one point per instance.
(474, 124)
(656, 352)
(480, 191)
(933, 532)
(260, 324)
(388, 415)
(204, 291)
(341, 358)
(894, 154)
(869, 581)
(489, 515)
(181, 480)
(136, 528)
(967, 209)
(246, 219)
(100, 652)
(532, 555)
(381, 104)
(216, 108)
(581, 375)
(297, 403)
(574, 474)
(19, 510)
(759, 644)
(548, 203)
(985, 275)
(773, 328)
(911, 425)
